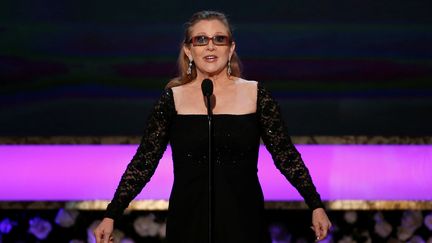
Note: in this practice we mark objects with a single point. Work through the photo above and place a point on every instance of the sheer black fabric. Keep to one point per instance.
(285, 156)
(239, 199)
(149, 152)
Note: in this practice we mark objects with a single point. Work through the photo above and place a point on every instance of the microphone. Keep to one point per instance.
(207, 87)
(207, 90)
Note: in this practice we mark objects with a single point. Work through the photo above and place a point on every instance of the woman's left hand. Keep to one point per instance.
(321, 223)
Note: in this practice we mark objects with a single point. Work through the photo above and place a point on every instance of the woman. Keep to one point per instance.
(243, 112)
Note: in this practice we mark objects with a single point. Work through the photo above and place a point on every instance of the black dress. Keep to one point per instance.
(239, 202)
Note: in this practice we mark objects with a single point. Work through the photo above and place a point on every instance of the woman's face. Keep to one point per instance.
(209, 59)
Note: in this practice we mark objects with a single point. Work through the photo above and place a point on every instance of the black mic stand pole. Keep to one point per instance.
(211, 170)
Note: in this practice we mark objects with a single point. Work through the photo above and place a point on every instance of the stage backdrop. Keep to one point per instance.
(95, 68)
(91, 172)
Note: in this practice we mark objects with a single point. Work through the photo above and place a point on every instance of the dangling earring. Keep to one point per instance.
(189, 71)
(229, 68)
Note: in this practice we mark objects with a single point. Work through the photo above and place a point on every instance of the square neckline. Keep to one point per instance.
(219, 114)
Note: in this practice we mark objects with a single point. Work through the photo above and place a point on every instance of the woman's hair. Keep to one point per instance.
(183, 60)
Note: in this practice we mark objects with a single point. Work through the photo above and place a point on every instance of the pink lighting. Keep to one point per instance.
(91, 172)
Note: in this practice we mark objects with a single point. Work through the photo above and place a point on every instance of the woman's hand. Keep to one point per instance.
(321, 223)
(103, 231)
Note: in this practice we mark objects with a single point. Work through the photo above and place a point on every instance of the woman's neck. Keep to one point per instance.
(219, 80)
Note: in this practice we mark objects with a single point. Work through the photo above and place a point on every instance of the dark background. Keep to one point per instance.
(96, 67)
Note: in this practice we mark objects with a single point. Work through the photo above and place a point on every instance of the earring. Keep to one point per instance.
(189, 71)
(229, 68)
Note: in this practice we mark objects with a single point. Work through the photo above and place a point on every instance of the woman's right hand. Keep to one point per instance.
(103, 232)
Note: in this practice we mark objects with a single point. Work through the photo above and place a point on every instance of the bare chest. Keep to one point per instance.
(222, 103)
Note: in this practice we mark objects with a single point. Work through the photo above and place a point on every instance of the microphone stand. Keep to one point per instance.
(210, 170)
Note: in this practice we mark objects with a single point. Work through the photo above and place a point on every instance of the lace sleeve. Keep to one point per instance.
(285, 156)
(149, 152)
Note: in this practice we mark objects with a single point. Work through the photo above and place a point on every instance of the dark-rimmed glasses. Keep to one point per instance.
(202, 40)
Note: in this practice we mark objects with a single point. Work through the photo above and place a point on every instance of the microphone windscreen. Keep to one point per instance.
(207, 87)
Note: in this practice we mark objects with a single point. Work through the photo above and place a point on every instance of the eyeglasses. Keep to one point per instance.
(202, 40)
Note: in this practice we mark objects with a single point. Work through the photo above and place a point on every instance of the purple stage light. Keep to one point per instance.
(92, 172)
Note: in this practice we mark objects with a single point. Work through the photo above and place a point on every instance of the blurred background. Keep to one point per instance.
(344, 72)
(337, 67)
